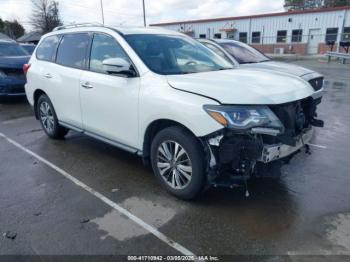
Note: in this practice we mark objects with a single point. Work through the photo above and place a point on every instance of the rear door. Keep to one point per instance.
(42, 66)
(109, 102)
(70, 62)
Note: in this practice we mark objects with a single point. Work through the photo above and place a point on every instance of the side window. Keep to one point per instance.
(47, 48)
(72, 50)
(217, 36)
(217, 51)
(256, 37)
(331, 34)
(103, 47)
(297, 35)
(346, 34)
(243, 37)
(282, 36)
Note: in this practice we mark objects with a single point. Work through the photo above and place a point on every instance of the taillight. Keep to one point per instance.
(26, 68)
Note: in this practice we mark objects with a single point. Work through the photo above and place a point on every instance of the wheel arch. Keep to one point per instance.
(36, 95)
(151, 131)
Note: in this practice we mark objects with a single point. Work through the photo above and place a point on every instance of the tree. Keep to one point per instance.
(294, 4)
(45, 15)
(11, 28)
(335, 3)
(311, 4)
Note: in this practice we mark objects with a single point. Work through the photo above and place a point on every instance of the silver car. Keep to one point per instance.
(244, 55)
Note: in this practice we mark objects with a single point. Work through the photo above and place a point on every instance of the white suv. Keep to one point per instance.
(162, 95)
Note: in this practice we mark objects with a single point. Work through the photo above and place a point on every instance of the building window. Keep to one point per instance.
(202, 36)
(256, 36)
(282, 36)
(332, 34)
(297, 35)
(217, 36)
(346, 34)
(243, 37)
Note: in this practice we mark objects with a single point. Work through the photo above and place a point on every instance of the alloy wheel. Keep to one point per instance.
(46, 117)
(174, 164)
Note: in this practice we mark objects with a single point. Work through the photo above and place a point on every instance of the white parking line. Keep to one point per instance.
(318, 146)
(107, 201)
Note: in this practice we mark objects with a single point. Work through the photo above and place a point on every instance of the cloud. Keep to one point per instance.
(129, 12)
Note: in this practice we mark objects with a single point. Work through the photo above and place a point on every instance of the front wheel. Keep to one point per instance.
(178, 162)
(48, 119)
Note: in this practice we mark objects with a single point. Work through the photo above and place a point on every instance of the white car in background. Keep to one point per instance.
(167, 98)
(246, 56)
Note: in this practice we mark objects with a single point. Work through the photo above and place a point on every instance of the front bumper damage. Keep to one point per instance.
(234, 154)
(279, 151)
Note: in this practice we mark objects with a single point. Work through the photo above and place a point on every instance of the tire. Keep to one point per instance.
(174, 174)
(48, 119)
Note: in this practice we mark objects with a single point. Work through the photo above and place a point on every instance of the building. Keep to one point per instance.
(301, 32)
(32, 38)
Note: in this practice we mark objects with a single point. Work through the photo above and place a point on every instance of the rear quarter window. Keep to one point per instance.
(47, 49)
(72, 50)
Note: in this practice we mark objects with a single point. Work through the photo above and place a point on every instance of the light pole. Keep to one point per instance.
(144, 13)
(103, 16)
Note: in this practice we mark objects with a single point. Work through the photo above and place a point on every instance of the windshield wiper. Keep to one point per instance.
(249, 62)
(226, 68)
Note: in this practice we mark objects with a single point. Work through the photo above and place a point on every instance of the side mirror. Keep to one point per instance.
(118, 66)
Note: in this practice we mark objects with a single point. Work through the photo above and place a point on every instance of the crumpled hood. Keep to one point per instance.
(244, 86)
(280, 67)
(13, 61)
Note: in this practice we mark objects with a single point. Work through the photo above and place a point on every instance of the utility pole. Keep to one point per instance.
(144, 13)
(103, 16)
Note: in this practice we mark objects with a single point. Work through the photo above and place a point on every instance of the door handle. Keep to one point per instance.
(87, 85)
(48, 75)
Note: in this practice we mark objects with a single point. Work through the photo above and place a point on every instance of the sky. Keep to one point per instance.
(129, 12)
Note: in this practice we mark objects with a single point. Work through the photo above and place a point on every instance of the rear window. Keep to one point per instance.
(12, 49)
(47, 48)
(72, 50)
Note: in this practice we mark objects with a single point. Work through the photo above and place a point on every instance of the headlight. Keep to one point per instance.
(244, 117)
(2, 74)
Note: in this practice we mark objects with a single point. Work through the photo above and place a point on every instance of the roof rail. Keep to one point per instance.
(76, 25)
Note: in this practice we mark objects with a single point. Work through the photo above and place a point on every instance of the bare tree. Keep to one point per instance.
(45, 15)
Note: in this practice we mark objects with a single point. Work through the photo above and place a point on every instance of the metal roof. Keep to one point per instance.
(30, 37)
(5, 37)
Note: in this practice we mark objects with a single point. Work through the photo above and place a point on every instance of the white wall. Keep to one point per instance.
(268, 26)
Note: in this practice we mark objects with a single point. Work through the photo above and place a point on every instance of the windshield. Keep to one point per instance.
(172, 55)
(244, 53)
(29, 48)
(12, 50)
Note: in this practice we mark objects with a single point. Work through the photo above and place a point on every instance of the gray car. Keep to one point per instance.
(244, 55)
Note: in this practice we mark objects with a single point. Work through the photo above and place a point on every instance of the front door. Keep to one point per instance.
(109, 102)
(315, 38)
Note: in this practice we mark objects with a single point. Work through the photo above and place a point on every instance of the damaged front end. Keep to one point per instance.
(257, 137)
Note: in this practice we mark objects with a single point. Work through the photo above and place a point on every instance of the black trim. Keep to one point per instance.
(195, 94)
(102, 138)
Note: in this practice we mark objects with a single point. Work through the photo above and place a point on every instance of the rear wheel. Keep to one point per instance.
(177, 161)
(48, 118)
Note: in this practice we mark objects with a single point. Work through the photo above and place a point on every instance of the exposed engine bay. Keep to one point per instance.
(242, 154)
